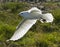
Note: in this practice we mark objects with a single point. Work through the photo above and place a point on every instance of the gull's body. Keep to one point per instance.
(30, 18)
(33, 13)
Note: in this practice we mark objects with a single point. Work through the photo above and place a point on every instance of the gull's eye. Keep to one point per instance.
(21, 13)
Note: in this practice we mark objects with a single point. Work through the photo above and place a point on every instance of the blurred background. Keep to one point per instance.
(40, 35)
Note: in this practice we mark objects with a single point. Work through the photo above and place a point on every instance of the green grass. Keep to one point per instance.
(40, 35)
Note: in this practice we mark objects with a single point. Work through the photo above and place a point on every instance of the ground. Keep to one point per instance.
(40, 35)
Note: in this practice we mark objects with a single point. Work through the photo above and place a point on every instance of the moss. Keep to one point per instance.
(40, 35)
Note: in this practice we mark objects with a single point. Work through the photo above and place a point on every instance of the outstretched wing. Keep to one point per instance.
(34, 9)
(22, 29)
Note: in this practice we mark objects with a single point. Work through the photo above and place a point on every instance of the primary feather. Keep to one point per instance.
(22, 29)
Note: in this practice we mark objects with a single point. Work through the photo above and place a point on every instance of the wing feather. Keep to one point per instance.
(22, 29)
(34, 9)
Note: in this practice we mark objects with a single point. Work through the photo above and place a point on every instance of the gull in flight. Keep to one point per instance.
(30, 18)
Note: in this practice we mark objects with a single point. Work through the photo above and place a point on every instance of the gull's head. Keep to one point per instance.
(24, 13)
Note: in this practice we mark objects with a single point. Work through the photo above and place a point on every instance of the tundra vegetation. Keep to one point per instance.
(40, 35)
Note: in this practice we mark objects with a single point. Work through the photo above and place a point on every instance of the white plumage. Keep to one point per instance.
(30, 18)
(23, 28)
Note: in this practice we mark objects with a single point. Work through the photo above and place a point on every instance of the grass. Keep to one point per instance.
(40, 35)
